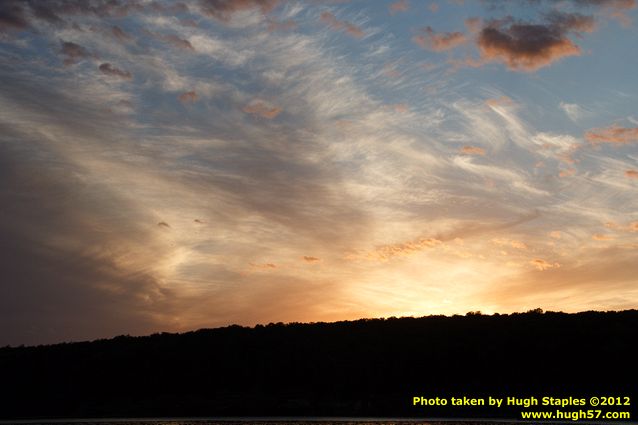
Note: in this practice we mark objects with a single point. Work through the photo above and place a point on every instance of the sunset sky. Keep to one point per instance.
(169, 166)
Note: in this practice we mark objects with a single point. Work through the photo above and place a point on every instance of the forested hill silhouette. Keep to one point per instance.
(368, 367)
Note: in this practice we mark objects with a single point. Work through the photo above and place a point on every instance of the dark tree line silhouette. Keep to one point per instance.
(368, 367)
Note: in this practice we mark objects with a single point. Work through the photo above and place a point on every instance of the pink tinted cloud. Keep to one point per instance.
(617, 9)
(399, 6)
(474, 24)
(613, 134)
(499, 101)
(632, 174)
(337, 25)
(401, 108)
(567, 172)
(386, 253)
(188, 97)
(262, 109)
(472, 150)
(438, 42)
(543, 265)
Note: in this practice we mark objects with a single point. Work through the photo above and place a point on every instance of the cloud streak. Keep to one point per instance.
(439, 42)
(614, 134)
(262, 108)
(108, 69)
(223, 10)
(73, 52)
(331, 21)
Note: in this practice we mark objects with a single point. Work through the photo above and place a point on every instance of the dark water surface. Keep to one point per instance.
(260, 421)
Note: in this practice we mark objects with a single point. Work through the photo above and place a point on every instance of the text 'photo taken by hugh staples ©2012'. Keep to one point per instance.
(224, 212)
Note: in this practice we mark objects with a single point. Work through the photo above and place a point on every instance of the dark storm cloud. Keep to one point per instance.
(171, 8)
(175, 41)
(571, 21)
(72, 52)
(530, 46)
(13, 16)
(120, 34)
(61, 241)
(616, 4)
(265, 174)
(22, 14)
(19, 14)
(60, 277)
(53, 11)
(108, 69)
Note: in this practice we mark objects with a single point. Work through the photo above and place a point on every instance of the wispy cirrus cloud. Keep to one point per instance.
(223, 10)
(388, 252)
(274, 160)
(286, 25)
(262, 108)
(23, 14)
(574, 111)
(176, 41)
(331, 20)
